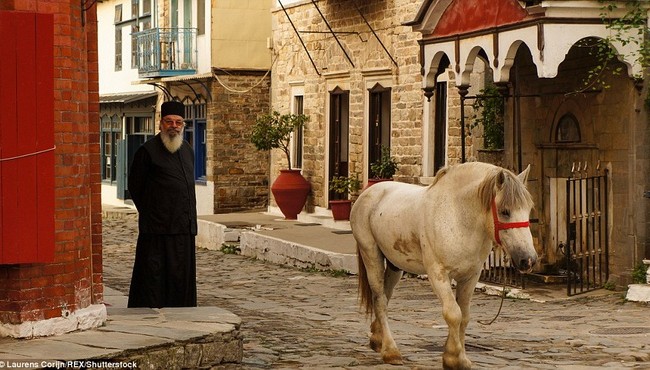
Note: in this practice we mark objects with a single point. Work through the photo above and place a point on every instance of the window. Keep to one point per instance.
(118, 49)
(297, 139)
(196, 134)
(440, 127)
(568, 129)
(146, 7)
(118, 38)
(135, 11)
(118, 14)
(134, 47)
(111, 127)
(379, 125)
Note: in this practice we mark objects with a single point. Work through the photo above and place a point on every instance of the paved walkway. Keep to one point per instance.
(299, 318)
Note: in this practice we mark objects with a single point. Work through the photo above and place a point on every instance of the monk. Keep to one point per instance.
(161, 183)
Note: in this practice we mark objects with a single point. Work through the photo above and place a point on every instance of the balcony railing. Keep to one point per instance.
(164, 52)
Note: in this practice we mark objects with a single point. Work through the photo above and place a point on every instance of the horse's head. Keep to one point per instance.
(505, 197)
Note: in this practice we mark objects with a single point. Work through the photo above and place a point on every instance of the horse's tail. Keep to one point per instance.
(365, 294)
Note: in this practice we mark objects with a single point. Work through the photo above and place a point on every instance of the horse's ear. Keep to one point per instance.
(500, 179)
(523, 176)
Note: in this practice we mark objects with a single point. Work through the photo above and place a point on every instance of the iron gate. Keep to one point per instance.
(587, 248)
(498, 270)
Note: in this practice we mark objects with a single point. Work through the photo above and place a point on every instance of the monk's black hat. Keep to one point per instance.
(172, 107)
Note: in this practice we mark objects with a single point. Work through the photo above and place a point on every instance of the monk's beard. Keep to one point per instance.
(172, 143)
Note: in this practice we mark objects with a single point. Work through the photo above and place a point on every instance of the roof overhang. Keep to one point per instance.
(126, 98)
(548, 29)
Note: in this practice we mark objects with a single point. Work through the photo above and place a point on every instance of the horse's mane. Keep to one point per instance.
(514, 192)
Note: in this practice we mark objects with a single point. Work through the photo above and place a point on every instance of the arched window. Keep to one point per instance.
(567, 130)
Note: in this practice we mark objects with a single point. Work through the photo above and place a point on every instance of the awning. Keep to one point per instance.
(126, 98)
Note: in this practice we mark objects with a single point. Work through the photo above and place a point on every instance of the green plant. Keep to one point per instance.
(628, 29)
(273, 130)
(230, 248)
(489, 108)
(609, 285)
(639, 273)
(385, 167)
(345, 184)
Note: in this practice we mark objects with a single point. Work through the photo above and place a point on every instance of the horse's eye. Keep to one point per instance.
(505, 213)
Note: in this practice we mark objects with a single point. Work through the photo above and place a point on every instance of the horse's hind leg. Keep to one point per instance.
(454, 356)
(392, 275)
(381, 339)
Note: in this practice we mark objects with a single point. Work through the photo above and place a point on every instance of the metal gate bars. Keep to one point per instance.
(587, 248)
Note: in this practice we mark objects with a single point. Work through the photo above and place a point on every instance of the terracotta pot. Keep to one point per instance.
(341, 209)
(290, 191)
(373, 181)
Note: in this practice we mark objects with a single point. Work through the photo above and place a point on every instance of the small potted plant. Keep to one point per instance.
(344, 185)
(271, 131)
(384, 168)
(489, 110)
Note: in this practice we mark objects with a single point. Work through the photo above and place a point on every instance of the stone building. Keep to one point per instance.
(406, 74)
(354, 70)
(210, 55)
(581, 125)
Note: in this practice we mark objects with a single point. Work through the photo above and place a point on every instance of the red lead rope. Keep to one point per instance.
(498, 225)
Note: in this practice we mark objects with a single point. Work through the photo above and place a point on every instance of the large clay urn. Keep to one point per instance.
(290, 191)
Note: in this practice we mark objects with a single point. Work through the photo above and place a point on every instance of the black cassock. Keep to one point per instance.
(161, 185)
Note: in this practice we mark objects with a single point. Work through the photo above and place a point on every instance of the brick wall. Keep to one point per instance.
(240, 172)
(33, 292)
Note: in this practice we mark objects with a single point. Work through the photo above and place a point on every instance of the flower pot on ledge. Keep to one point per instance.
(290, 191)
(341, 209)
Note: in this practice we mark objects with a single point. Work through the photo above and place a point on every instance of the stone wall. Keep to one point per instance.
(607, 118)
(368, 64)
(239, 171)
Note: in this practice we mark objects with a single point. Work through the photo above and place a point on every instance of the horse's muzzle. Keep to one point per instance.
(526, 265)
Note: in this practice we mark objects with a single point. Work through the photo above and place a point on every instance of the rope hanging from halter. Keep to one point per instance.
(498, 226)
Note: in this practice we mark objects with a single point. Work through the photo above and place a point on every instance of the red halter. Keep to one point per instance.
(498, 225)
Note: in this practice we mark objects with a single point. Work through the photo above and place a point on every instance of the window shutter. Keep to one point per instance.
(26, 138)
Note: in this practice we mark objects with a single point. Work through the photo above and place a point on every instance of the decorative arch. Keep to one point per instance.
(468, 67)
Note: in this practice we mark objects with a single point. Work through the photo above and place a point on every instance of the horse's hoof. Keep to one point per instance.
(375, 344)
(456, 364)
(395, 359)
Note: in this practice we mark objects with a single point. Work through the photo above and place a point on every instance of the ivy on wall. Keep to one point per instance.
(629, 29)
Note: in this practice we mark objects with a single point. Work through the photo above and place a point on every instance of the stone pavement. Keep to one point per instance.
(289, 318)
(301, 318)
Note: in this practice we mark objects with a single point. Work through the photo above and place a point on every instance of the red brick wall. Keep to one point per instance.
(31, 292)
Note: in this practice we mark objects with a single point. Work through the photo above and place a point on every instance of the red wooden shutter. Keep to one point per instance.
(26, 137)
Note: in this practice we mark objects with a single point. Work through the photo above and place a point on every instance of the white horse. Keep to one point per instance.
(445, 230)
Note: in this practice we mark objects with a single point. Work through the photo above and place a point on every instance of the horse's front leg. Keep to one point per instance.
(454, 356)
(464, 293)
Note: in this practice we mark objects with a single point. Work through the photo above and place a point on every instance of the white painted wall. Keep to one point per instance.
(110, 80)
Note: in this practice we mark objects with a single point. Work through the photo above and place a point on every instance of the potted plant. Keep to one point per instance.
(489, 109)
(273, 131)
(384, 168)
(343, 185)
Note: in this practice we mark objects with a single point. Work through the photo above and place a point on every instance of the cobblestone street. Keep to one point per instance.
(303, 319)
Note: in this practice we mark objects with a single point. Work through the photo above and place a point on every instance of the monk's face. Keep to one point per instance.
(172, 125)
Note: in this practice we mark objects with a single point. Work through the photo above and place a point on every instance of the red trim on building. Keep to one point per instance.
(464, 16)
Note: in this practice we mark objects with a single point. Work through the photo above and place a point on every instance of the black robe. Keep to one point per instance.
(162, 187)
